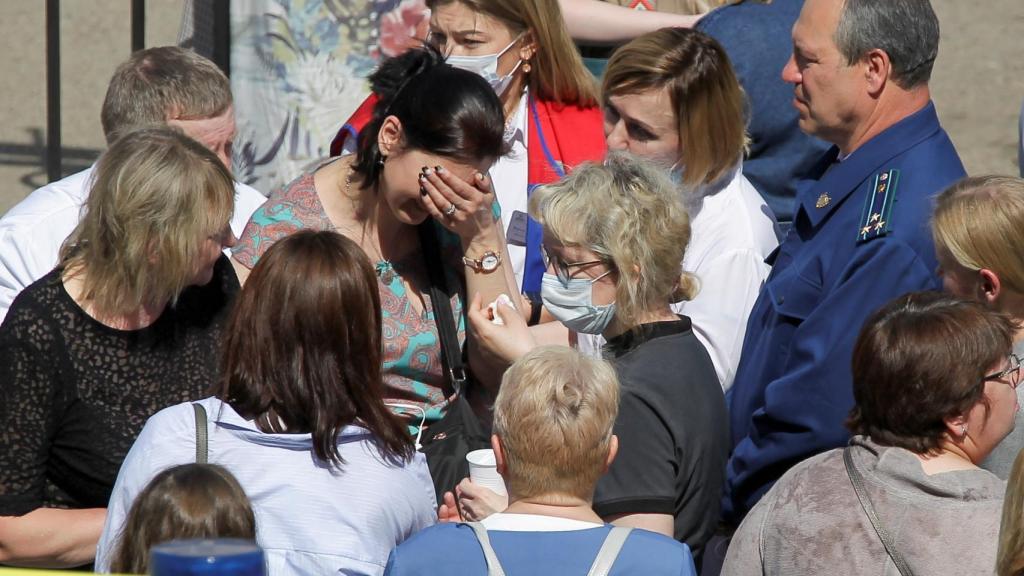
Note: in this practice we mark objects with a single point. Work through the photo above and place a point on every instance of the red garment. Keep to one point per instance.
(361, 117)
(572, 135)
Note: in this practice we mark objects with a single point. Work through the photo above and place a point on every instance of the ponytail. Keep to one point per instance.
(443, 110)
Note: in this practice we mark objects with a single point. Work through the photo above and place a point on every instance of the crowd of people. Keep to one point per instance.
(731, 309)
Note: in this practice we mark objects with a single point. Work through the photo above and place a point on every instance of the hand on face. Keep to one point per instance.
(462, 207)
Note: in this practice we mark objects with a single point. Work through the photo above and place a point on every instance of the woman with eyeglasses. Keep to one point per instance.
(614, 235)
(934, 390)
(978, 227)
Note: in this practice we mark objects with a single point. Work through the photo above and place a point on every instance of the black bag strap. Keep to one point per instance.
(858, 486)
(202, 440)
(440, 302)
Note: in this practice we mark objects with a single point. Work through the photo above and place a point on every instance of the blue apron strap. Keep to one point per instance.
(533, 268)
(555, 165)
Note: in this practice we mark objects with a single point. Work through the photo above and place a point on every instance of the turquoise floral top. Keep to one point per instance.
(413, 373)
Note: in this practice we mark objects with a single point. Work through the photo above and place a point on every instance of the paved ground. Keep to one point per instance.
(95, 37)
(978, 82)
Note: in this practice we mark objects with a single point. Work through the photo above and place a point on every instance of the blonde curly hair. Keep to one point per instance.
(629, 213)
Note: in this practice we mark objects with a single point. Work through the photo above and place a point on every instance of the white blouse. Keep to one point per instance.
(732, 231)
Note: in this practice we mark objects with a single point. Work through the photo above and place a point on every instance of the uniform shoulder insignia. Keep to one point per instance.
(876, 219)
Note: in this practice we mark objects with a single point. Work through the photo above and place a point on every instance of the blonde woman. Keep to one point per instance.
(1010, 556)
(127, 324)
(978, 227)
(549, 100)
(552, 441)
(664, 94)
(614, 271)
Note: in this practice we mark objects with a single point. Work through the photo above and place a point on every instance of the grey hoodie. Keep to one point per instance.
(811, 522)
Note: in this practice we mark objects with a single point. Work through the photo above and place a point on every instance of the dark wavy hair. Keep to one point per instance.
(920, 359)
(443, 110)
(187, 501)
(302, 353)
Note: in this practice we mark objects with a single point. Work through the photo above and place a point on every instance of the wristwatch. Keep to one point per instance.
(489, 262)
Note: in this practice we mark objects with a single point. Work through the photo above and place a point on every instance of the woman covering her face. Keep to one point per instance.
(423, 158)
(548, 100)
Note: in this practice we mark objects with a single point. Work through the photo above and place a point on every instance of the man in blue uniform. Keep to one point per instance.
(860, 69)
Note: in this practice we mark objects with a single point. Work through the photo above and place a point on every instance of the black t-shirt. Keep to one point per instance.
(672, 428)
(75, 393)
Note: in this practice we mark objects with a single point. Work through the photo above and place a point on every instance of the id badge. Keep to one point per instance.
(516, 233)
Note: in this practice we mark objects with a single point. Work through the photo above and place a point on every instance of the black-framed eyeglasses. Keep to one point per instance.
(562, 268)
(1013, 371)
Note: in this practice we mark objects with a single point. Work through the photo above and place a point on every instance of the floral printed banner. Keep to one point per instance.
(298, 70)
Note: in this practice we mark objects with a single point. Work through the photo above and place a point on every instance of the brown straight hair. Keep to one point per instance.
(706, 97)
(920, 359)
(187, 501)
(558, 72)
(302, 352)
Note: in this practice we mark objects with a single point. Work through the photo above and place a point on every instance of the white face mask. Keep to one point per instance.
(486, 67)
(572, 304)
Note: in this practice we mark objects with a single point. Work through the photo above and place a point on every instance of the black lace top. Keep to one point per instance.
(75, 393)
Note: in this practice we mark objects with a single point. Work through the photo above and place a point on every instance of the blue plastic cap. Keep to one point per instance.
(228, 557)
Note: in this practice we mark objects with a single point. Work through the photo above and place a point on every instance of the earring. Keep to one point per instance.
(526, 68)
(963, 431)
(380, 161)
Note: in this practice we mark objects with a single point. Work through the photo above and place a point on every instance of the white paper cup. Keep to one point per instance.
(484, 472)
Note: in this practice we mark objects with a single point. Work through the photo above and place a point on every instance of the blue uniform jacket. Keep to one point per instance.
(860, 238)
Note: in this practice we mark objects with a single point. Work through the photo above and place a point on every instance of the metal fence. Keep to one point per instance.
(217, 12)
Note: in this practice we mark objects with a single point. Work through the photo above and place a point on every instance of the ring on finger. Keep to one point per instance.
(450, 210)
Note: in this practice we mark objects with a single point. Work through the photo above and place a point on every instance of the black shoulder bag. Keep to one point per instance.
(459, 432)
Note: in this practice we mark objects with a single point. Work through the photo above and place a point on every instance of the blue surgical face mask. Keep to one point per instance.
(487, 67)
(572, 304)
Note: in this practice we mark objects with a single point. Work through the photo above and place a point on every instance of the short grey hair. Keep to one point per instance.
(160, 84)
(907, 30)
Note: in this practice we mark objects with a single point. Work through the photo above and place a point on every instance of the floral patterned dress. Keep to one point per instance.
(413, 374)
